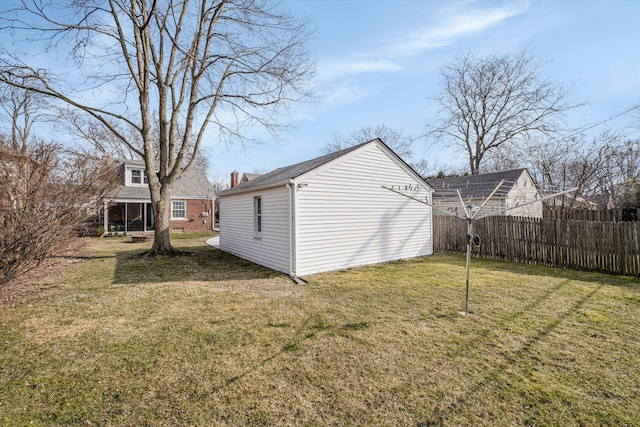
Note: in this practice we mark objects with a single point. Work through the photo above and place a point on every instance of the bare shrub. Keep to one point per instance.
(46, 192)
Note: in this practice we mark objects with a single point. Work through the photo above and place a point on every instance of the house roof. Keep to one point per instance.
(249, 176)
(475, 186)
(284, 174)
(194, 184)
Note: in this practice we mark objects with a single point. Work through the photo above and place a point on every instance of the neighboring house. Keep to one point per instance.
(246, 177)
(329, 213)
(129, 208)
(519, 194)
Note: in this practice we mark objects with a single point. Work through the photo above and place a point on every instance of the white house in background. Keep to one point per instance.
(341, 210)
(518, 193)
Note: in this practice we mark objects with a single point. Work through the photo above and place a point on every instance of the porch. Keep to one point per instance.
(127, 217)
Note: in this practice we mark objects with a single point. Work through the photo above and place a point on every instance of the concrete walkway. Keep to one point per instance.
(214, 241)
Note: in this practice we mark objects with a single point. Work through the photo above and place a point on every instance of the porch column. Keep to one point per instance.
(106, 216)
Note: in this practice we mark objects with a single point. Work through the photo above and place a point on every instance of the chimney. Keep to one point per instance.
(234, 178)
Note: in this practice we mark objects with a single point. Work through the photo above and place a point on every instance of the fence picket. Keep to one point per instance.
(610, 247)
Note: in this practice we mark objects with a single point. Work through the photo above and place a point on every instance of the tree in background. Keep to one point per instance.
(496, 101)
(620, 179)
(604, 168)
(398, 141)
(22, 109)
(174, 66)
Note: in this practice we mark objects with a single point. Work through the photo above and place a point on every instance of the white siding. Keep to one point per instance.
(454, 207)
(523, 192)
(345, 218)
(237, 233)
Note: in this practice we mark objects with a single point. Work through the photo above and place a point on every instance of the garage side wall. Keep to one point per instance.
(237, 235)
(345, 218)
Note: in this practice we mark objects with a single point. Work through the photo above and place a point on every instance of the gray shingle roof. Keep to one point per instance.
(284, 174)
(475, 186)
(194, 185)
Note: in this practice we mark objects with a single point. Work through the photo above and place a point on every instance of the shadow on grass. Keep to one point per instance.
(307, 330)
(201, 263)
(510, 359)
(544, 271)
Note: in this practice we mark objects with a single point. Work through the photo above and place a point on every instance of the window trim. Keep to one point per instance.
(136, 176)
(141, 179)
(174, 209)
(257, 217)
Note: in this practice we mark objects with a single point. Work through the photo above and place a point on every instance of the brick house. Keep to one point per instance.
(128, 210)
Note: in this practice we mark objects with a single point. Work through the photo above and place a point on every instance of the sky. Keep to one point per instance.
(378, 63)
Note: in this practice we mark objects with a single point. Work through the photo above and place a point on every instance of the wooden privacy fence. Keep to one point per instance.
(609, 247)
(619, 214)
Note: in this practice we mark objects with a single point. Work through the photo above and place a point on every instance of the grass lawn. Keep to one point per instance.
(208, 339)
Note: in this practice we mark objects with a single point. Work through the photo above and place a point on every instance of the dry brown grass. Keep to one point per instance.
(207, 339)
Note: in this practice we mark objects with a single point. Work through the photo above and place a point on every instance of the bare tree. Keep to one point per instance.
(177, 65)
(22, 110)
(98, 135)
(590, 164)
(488, 102)
(46, 193)
(619, 178)
(398, 141)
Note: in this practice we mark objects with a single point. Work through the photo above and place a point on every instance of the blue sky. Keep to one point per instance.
(378, 63)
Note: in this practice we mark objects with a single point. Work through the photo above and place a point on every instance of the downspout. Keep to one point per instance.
(292, 227)
(213, 213)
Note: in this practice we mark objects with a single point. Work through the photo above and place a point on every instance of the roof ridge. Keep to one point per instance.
(292, 171)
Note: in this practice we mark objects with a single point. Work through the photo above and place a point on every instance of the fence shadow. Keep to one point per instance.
(525, 269)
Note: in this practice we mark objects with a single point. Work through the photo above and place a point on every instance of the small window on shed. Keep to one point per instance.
(257, 216)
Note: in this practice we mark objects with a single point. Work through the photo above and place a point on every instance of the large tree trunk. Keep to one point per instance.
(161, 206)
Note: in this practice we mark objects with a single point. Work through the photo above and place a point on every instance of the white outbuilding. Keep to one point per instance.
(362, 205)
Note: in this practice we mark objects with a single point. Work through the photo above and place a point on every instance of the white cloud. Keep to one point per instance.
(346, 80)
(458, 21)
(343, 94)
(333, 69)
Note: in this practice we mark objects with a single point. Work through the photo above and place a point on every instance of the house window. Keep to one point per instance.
(139, 177)
(178, 209)
(136, 176)
(257, 216)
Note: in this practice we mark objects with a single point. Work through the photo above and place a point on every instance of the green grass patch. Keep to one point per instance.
(209, 339)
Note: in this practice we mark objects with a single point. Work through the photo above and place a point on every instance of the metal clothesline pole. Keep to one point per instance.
(469, 234)
(471, 216)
